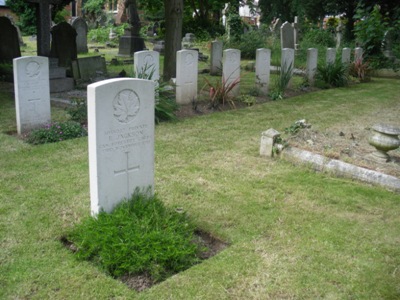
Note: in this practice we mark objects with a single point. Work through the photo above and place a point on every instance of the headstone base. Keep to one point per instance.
(58, 85)
(129, 45)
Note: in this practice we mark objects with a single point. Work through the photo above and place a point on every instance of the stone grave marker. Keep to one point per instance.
(338, 31)
(287, 60)
(89, 68)
(312, 62)
(63, 44)
(296, 33)
(231, 70)
(276, 26)
(9, 45)
(147, 63)
(186, 76)
(32, 92)
(287, 36)
(121, 140)
(81, 30)
(263, 66)
(358, 54)
(346, 54)
(216, 58)
(330, 56)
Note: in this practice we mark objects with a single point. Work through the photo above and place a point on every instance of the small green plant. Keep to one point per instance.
(282, 82)
(56, 132)
(140, 236)
(165, 106)
(78, 110)
(248, 100)
(332, 74)
(220, 92)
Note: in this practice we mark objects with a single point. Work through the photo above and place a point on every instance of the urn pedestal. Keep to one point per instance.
(384, 138)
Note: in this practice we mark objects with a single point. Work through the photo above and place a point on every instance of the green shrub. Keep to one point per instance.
(101, 34)
(165, 106)
(78, 110)
(318, 37)
(140, 236)
(248, 43)
(6, 72)
(56, 132)
(332, 75)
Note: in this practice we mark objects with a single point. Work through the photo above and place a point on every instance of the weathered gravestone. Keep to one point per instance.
(330, 56)
(121, 140)
(32, 92)
(276, 26)
(63, 44)
(159, 46)
(147, 65)
(346, 54)
(312, 62)
(81, 34)
(89, 68)
(188, 40)
(263, 66)
(216, 58)
(287, 36)
(296, 33)
(231, 70)
(9, 41)
(186, 76)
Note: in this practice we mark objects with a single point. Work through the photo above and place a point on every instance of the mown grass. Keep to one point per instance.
(293, 233)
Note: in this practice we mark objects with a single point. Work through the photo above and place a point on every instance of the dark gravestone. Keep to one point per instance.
(9, 41)
(63, 44)
(81, 30)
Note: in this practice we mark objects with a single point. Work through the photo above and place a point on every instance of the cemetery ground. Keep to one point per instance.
(292, 233)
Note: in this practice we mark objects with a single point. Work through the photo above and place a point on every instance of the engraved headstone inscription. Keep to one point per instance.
(121, 140)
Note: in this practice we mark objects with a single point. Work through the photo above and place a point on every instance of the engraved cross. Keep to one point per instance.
(125, 171)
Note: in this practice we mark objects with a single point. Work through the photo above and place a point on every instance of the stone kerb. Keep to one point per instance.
(216, 58)
(312, 63)
(231, 70)
(147, 65)
(121, 140)
(186, 76)
(32, 92)
(263, 67)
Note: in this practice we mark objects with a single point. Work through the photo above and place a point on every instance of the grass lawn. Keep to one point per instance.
(293, 233)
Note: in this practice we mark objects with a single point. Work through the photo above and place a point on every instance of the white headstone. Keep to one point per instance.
(287, 36)
(216, 58)
(330, 56)
(186, 76)
(346, 54)
(312, 62)
(121, 140)
(358, 54)
(32, 92)
(263, 66)
(147, 65)
(231, 70)
(287, 60)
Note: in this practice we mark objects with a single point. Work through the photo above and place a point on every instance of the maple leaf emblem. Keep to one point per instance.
(126, 106)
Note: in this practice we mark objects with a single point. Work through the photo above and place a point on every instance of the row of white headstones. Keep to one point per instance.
(121, 115)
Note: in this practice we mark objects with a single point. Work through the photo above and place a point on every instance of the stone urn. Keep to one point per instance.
(384, 138)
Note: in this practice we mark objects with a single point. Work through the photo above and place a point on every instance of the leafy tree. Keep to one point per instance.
(26, 12)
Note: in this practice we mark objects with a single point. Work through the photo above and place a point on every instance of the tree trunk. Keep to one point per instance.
(173, 35)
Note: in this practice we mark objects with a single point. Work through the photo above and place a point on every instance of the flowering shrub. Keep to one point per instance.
(56, 132)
